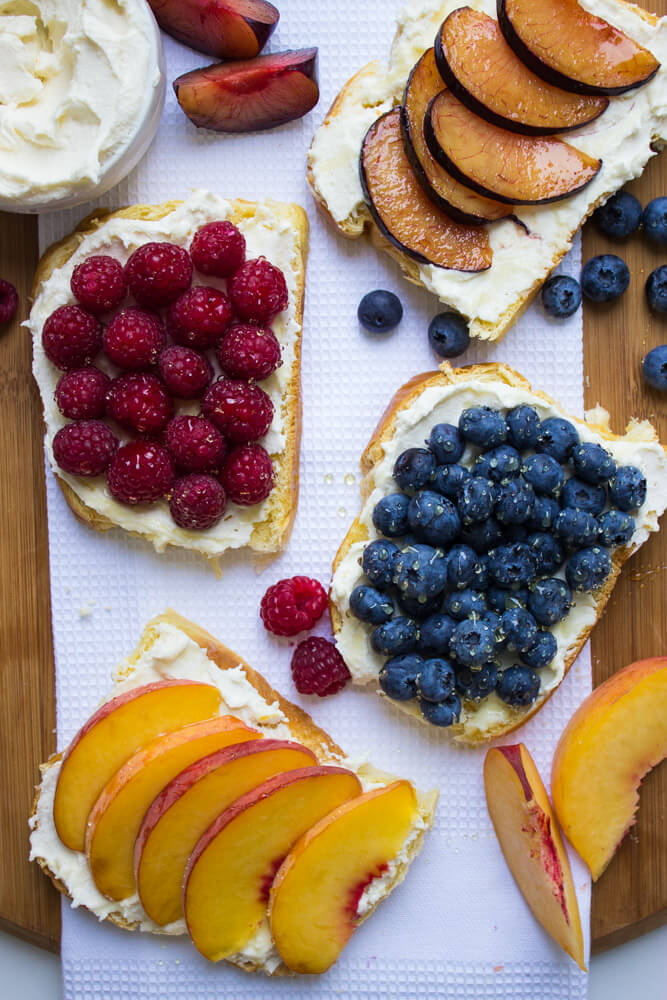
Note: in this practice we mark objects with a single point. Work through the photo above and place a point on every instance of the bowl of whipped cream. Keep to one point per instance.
(82, 85)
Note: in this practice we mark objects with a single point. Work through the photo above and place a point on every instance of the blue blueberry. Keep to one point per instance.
(593, 463)
(561, 296)
(654, 367)
(514, 501)
(544, 474)
(544, 514)
(542, 652)
(557, 438)
(480, 580)
(433, 518)
(390, 515)
(654, 221)
(518, 629)
(518, 686)
(475, 500)
(576, 528)
(464, 603)
(473, 643)
(378, 562)
(627, 489)
(380, 311)
(420, 572)
(475, 685)
(446, 444)
(441, 713)
(448, 334)
(620, 215)
(414, 469)
(584, 496)
(549, 600)
(449, 480)
(616, 528)
(418, 608)
(461, 566)
(501, 600)
(548, 551)
(483, 535)
(398, 676)
(523, 426)
(499, 463)
(512, 566)
(369, 605)
(483, 426)
(395, 637)
(435, 635)
(656, 289)
(436, 680)
(588, 568)
(604, 278)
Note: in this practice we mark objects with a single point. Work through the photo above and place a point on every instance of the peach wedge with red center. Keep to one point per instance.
(616, 735)
(314, 898)
(531, 842)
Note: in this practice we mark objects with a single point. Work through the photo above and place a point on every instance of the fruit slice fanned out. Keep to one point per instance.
(403, 212)
(228, 29)
(514, 168)
(252, 94)
(573, 49)
(459, 202)
(481, 69)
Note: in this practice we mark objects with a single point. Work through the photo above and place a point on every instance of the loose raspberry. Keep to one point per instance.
(71, 337)
(247, 474)
(98, 283)
(140, 472)
(186, 373)
(139, 402)
(318, 668)
(243, 412)
(198, 502)
(81, 394)
(157, 273)
(133, 339)
(195, 443)
(247, 351)
(199, 317)
(258, 291)
(9, 302)
(84, 448)
(218, 248)
(292, 606)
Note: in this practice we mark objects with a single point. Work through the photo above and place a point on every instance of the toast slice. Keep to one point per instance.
(260, 706)
(406, 423)
(625, 136)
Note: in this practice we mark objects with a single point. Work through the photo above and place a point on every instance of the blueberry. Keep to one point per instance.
(627, 489)
(584, 496)
(441, 713)
(544, 514)
(557, 438)
(420, 572)
(483, 535)
(501, 600)
(654, 367)
(436, 680)
(473, 643)
(475, 500)
(417, 607)
(549, 601)
(414, 469)
(433, 518)
(656, 289)
(448, 334)
(561, 296)
(548, 551)
(446, 444)
(395, 637)
(480, 579)
(474, 685)
(435, 635)
(369, 605)
(512, 566)
(619, 216)
(604, 278)
(390, 515)
(616, 528)
(483, 426)
(461, 566)
(449, 479)
(588, 569)
(514, 502)
(576, 528)
(464, 603)
(542, 652)
(518, 629)
(544, 474)
(523, 424)
(380, 311)
(499, 463)
(593, 463)
(398, 676)
(654, 221)
(518, 686)
(378, 562)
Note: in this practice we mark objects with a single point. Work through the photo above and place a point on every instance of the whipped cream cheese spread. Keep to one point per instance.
(621, 137)
(78, 81)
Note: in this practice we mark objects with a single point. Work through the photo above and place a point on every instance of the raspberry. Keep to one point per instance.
(248, 351)
(258, 291)
(139, 402)
(133, 339)
(140, 472)
(9, 302)
(84, 448)
(243, 412)
(195, 443)
(157, 273)
(318, 668)
(247, 474)
(71, 337)
(81, 394)
(198, 502)
(98, 283)
(199, 317)
(185, 372)
(292, 606)
(218, 248)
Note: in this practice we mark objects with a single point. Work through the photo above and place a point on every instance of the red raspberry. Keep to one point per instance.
(218, 248)
(195, 443)
(134, 338)
(9, 302)
(98, 283)
(258, 291)
(157, 273)
(318, 668)
(198, 502)
(199, 317)
(243, 412)
(247, 474)
(292, 606)
(140, 472)
(81, 394)
(139, 402)
(71, 337)
(186, 373)
(84, 448)
(248, 351)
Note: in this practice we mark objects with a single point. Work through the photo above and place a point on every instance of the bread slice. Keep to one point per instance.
(528, 248)
(273, 519)
(302, 729)
(639, 445)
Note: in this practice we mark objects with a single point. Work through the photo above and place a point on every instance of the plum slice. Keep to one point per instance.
(575, 50)
(458, 201)
(403, 212)
(252, 94)
(481, 69)
(228, 29)
(518, 169)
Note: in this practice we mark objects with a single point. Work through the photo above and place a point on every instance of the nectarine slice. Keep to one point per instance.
(228, 29)
(184, 810)
(616, 735)
(530, 840)
(230, 871)
(314, 897)
(113, 734)
(114, 820)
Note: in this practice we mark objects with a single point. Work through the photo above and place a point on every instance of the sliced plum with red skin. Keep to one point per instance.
(228, 29)
(403, 212)
(462, 204)
(486, 75)
(252, 94)
(518, 169)
(573, 49)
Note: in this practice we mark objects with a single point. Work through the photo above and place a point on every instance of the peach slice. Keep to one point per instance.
(114, 820)
(314, 897)
(187, 806)
(616, 735)
(228, 29)
(530, 840)
(114, 733)
(230, 871)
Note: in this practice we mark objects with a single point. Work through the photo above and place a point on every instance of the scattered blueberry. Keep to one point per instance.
(547, 550)
(380, 311)
(435, 635)
(518, 629)
(627, 489)
(576, 528)
(616, 528)
(390, 515)
(654, 367)
(449, 479)
(514, 503)
(561, 296)
(620, 215)
(378, 562)
(584, 496)
(654, 221)
(475, 500)
(398, 676)
(501, 600)
(482, 535)
(414, 468)
(512, 566)
(593, 463)
(395, 637)
(557, 438)
(549, 601)
(420, 572)
(499, 463)
(588, 569)
(483, 426)
(544, 474)
(436, 680)
(656, 289)
(544, 513)
(433, 518)
(441, 713)
(473, 643)
(464, 603)
(461, 566)
(448, 334)
(604, 278)
(523, 424)
(542, 652)
(446, 444)
(369, 605)
(417, 607)
(518, 686)
(474, 685)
